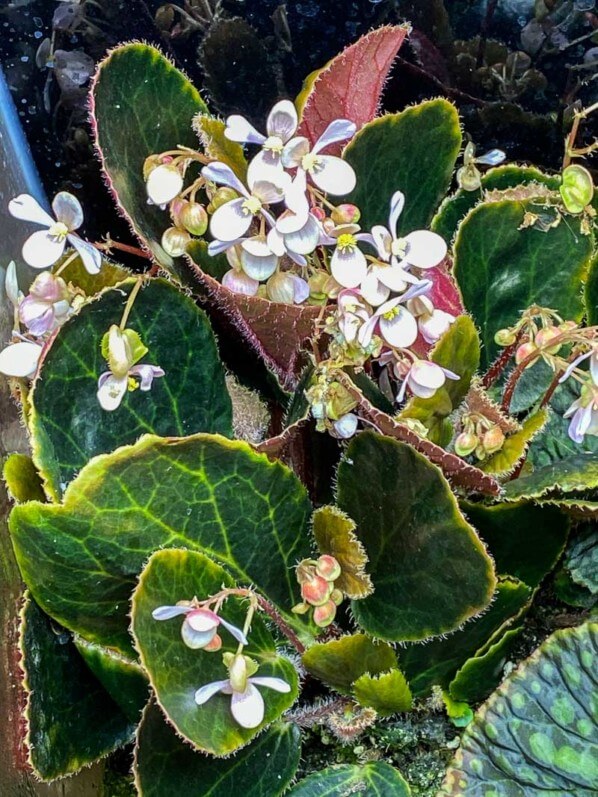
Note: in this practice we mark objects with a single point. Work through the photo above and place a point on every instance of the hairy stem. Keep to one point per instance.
(281, 624)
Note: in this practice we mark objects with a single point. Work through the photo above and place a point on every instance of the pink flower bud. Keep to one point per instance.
(545, 336)
(346, 214)
(337, 597)
(318, 213)
(466, 443)
(524, 351)
(325, 614)
(328, 567)
(493, 440)
(317, 591)
(215, 645)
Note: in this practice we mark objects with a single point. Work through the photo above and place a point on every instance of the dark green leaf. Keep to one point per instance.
(524, 539)
(71, 720)
(375, 779)
(67, 424)
(429, 569)
(165, 766)
(581, 559)
(591, 293)
(176, 671)
(536, 735)
(481, 673)
(413, 151)
(22, 479)
(81, 558)
(387, 693)
(141, 105)
(579, 472)
(340, 662)
(502, 269)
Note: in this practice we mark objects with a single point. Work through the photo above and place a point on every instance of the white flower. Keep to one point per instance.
(239, 282)
(11, 285)
(122, 349)
(163, 184)
(287, 288)
(346, 426)
(232, 220)
(432, 323)
(393, 322)
(592, 355)
(348, 264)
(424, 378)
(329, 173)
(20, 359)
(351, 314)
(44, 248)
(47, 304)
(421, 248)
(257, 259)
(280, 127)
(200, 626)
(247, 704)
(584, 414)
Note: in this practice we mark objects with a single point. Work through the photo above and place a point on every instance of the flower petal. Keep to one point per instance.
(346, 426)
(294, 151)
(239, 129)
(282, 120)
(349, 268)
(400, 330)
(333, 175)
(271, 683)
(68, 210)
(20, 359)
(264, 168)
(374, 291)
(338, 130)
(163, 184)
(90, 256)
(427, 374)
(196, 640)
(37, 316)
(230, 221)
(27, 208)
(269, 192)
(304, 240)
(397, 203)
(221, 174)
(257, 260)
(425, 249)
(239, 282)
(11, 284)
(301, 289)
(204, 693)
(248, 707)
(382, 240)
(111, 391)
(434, 325)
(41, 249)
(234, 631)
(168, 612)
(147, 374)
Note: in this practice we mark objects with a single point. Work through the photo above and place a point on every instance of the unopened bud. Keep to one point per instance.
(300, 608)
(214, 645)
(237, 673)
(505, 337)
(328, 567)
(317, 287)
(493, 440)
(524, 351)
(317, 591)
(149, 164)
(466, 443)
(337, 597)
(281, 288)
(220, 197)
(577, 189)
(545, 336)
(174, 241)
(346, 214)
(325, 614)
(340, 401)
(193, 217)
(567, 326)
(318, 213)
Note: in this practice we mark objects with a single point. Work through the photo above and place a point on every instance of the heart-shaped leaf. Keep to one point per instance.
(501, 269)
(411, 528)
(67, 424)
(376, 779)
(177, 671)
(350, 85)
(263, 768)
(71, 720)
(413, 151)
(340, 662)
(537, 732)
(524, 539)
(386, 693)
(206, 493)
(141, 105)
(459, 351)
(438, 660)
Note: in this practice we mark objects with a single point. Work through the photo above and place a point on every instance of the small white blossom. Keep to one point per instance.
(393, 322)
(348, 264)
(200, 626)
(20, 359)
(122, 350)
(432, 323)
(46, 306)
(42, 249)
(163, 184)
(424, 378)
(328, 172)
(584, 414)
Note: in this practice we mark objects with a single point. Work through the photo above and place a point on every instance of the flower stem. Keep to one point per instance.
(130, 302)
(281, 624)
(501, 362)
(132, 250)
(66, 263)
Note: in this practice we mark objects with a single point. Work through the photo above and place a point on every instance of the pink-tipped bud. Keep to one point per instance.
(524, 351)
(493, 440)
(317, 591)
(545, 336)
(318, 213)
(465, 444)
(328, 567)
(325, 614)
(215, 645)
(194, 218)
(346, 214)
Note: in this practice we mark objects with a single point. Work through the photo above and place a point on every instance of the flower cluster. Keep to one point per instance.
(199, 631)
(318, 592)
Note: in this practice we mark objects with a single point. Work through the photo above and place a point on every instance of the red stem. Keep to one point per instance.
(499, 365)
(281, 624)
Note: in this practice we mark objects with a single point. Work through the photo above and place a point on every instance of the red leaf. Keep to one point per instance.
(349, 86)
(445, 295)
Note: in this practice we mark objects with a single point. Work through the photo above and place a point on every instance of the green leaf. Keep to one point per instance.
(525, 540)
(537, 732)
(480, 674)
(459, 351)
(217, 146)
(340, 662)
(502, 269)
(591, 293)
(581, 559)
(572, 593)
(79, 277)
(176, 671)
(22, 479)
(167, 767)
(67, 424)
(206, 493)
(436, 662)
(334, 534)
(376, 779)
(141, 105)
(573, 474)
(456, 206)
(71, 719)
(413, 151)
(459, 714)
(429, 569)
(123, 678)
(515, 445)
(386, 693)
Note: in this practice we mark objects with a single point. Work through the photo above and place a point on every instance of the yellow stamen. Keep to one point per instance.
(399, 247)
(274, 144)
(346, 242)
(309, 162)
(252, 205)
(59, 231)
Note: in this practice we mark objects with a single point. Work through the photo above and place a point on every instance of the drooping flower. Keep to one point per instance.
(20, 359)
(420, 248)
(43, 248)
(122, 349)
(232, 220)
(432, 322)
(247, 705)
(392, 320)
(584, 414)
(424, 378)
(46, 306)
(163, 184)
(287, 288)
(329, 173)
(351, 314)
(200, 626)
